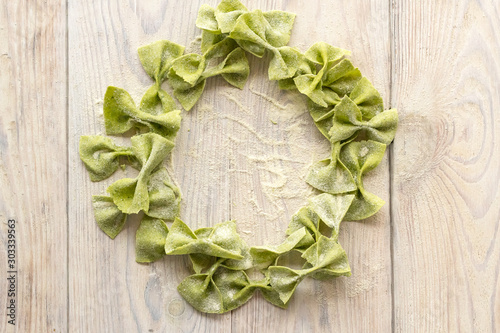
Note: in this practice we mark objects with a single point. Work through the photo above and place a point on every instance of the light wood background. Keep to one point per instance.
(429, 261)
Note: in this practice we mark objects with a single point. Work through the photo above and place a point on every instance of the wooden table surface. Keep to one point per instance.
(429, 261)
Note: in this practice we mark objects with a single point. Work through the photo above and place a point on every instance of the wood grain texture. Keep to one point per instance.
(33, 163)
(446, 166)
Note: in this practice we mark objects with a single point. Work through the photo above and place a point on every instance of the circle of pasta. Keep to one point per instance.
(343, 104)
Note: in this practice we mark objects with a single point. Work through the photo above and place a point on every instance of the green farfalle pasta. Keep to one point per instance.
(220, 20)
(101, 156)
(359, 90)
(156, 59)
(348, 121)
(131, 194)
(331, 209)
(342, 78)
(344, 105)
(263, 256)
(311, 85)
(164, 196)
(223, 241)
(150, 239)
(121, 115)
(202, 261)
(296, 65)
(206, 19)
(109, 218)
(327, 208)
(253, 31)
(331, 175)
(221, 289)
(361, 157)
(188, 73)
(326, 257)
(227, 13)
(305, 217)
(257, 32)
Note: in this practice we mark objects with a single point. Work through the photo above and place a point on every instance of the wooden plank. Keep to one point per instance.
(108, 289)
(269, 162)
(446, 166)
(33, 163)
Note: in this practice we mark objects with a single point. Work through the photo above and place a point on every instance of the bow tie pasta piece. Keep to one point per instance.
(315, 255)
(325, 56)
(164, 196)
(227, 14)
(272, 296)
(189, 73)
(223, 241)
(234, 66)
(331, 175)
(155, 97)
(263, 256)
(305, 217)
(326, 255)
(101, 156)
(150, 239)
(342, 78)
(206, 19)
(290, 63)
(253, 31)
(185, 78)
(360, 157)
(131, 195)
(257, 31)
(150, 150)
(359, 90)
(156, 58)
(367, 98)
(121, 115)
(202, 261)
(331, 209)
(348, 121)
(234, 69)
(108, 217)
(235, 287)
(285, 63)
(208, 40)
(200, 291)
(219, 290)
